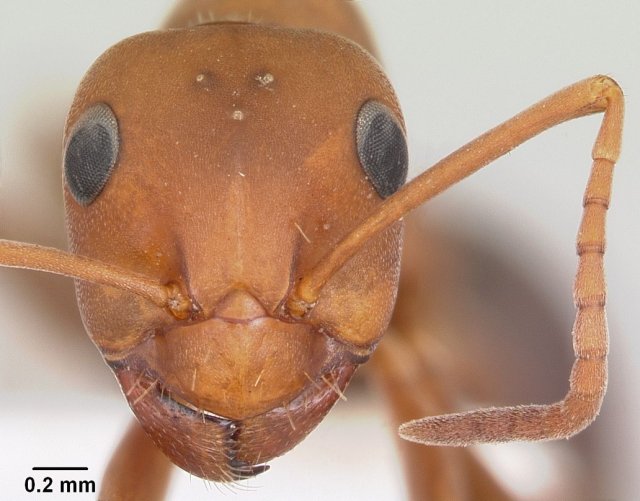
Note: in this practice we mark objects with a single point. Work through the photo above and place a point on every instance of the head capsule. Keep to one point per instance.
(229, 159)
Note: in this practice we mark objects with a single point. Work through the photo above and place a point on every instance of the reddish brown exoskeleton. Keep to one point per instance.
(234, 222)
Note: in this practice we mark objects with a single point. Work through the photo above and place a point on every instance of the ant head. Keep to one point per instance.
(230, 159)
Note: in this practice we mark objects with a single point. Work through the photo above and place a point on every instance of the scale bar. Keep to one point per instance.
(59, 468)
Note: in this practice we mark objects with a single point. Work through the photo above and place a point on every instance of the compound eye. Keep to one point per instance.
(382, 148)
(91, 153)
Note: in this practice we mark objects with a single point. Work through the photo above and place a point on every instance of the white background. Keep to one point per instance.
(458, 68)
